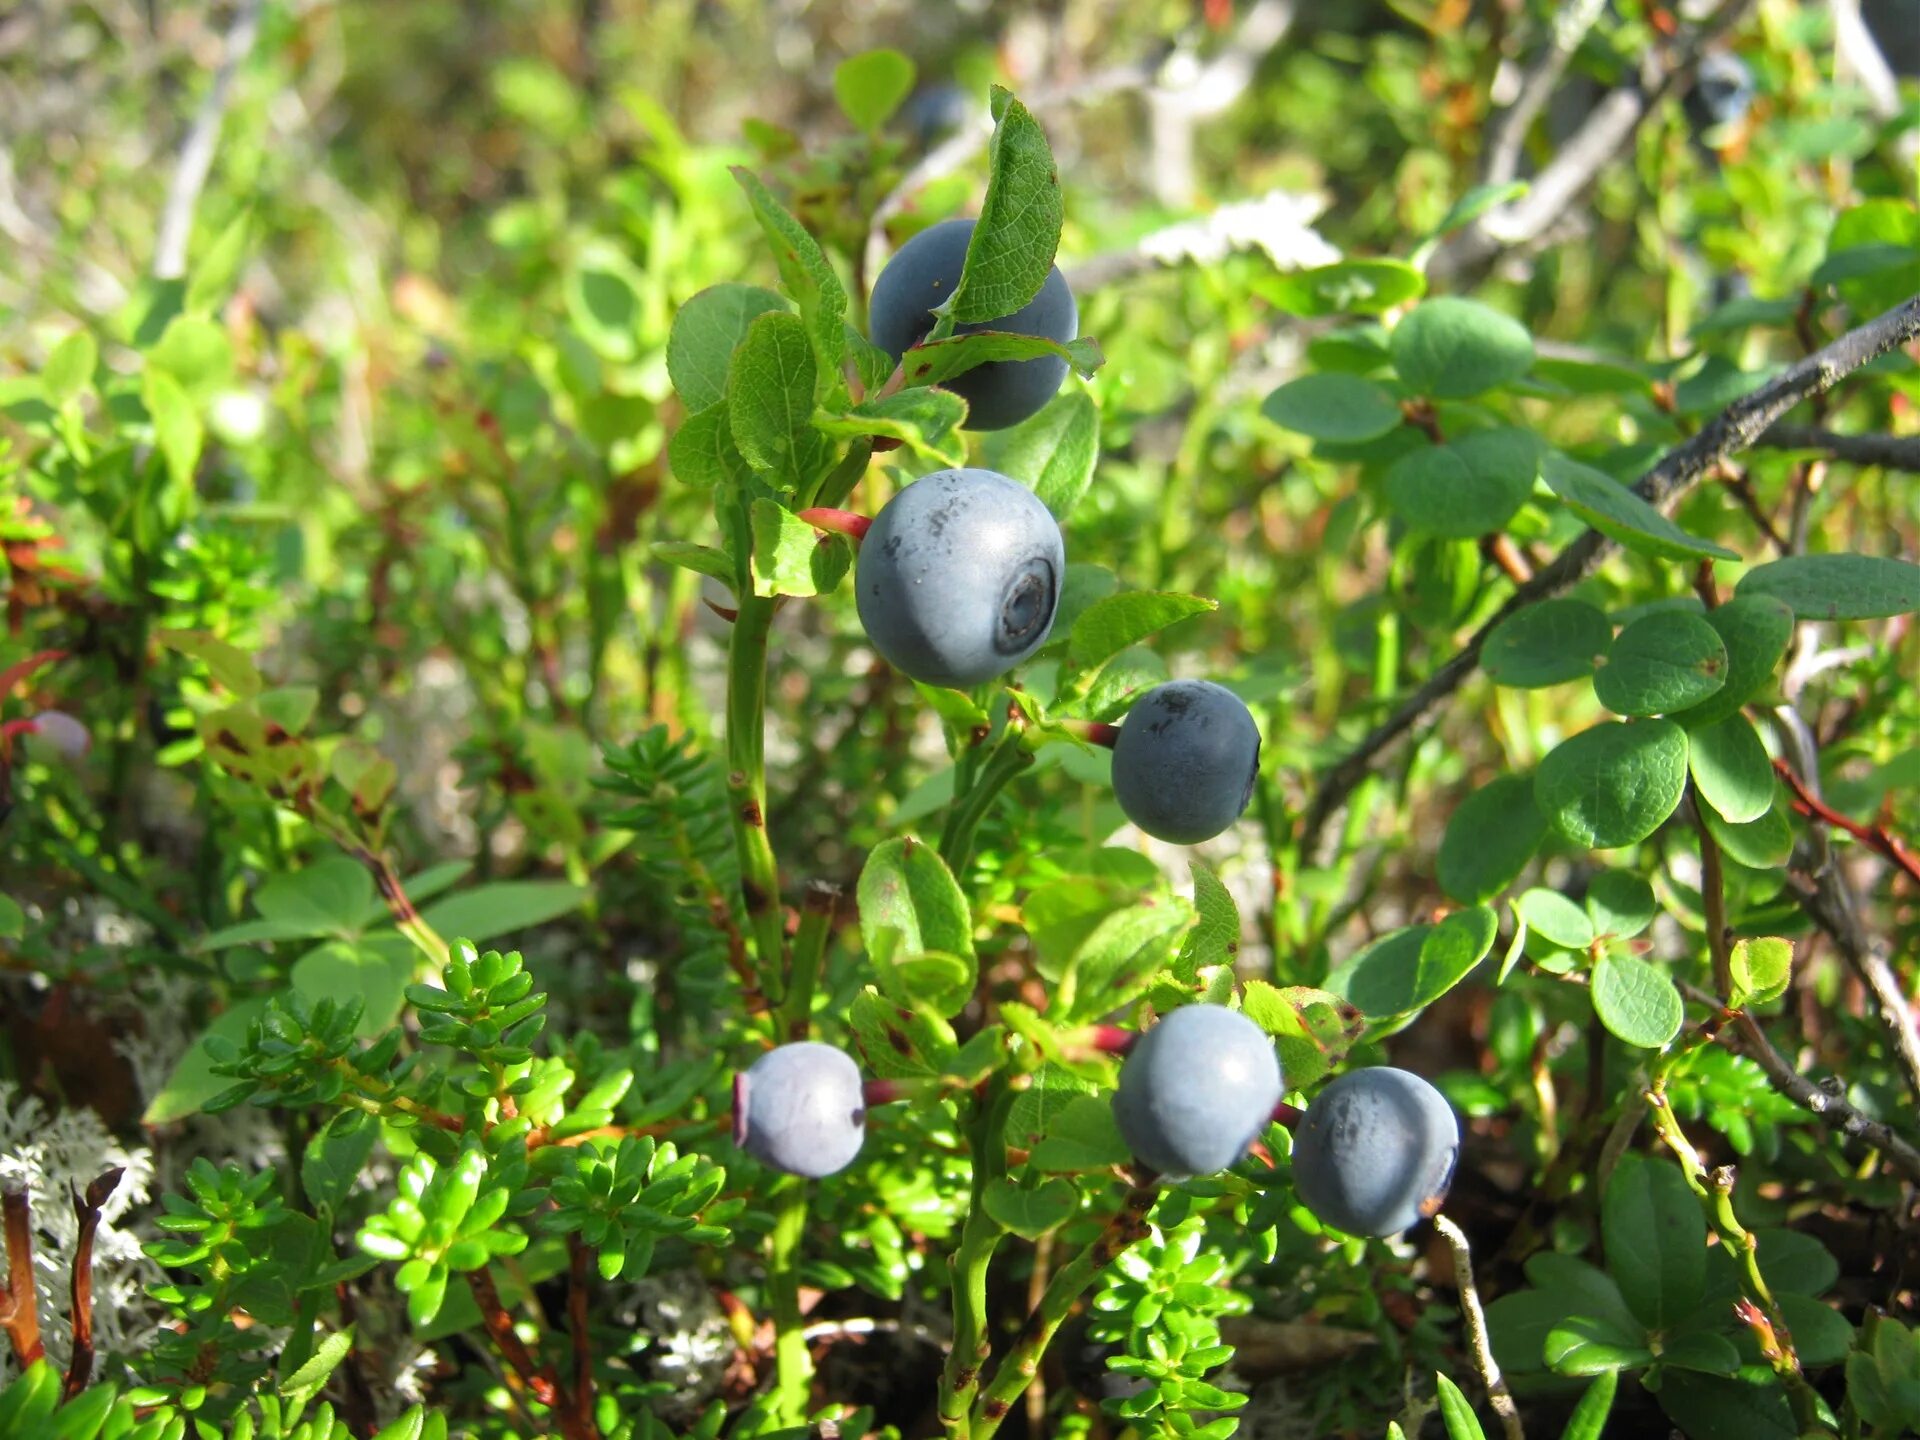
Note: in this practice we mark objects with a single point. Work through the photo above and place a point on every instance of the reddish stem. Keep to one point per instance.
(1875, 837)
(838, 522)
(1112, 1040)
(19, 671)
(87, 1210)
(1287, 1115)
(19, 1314)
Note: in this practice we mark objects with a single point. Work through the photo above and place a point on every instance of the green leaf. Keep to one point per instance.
(1122, 681)
(1761, 970)
(69, 368)
(1548, 643)
(790, 557)
(1589, 1418)
(1451, 348)
(1312, 1029)
(1054, 453)
(1656, 1239)
(927, 421)
(1730, 766)
(1215, 939)
(1031, 1212)
(1476, 202)
(333, 1161)
(374, 974)
(1616, 511)
(1619, 904)
(702, 453)
(13, 920)
(1613, 785)
(85, 1415)
(501, 908)
(197, 353)
(935, 361)
(906, 887)
(1660, 663)
(1555, 917)
(1109, 626)
(1636, 1000)
(1886, 227)
(1412, 968)
(308, 1381)
(1492, 835)
(328, 897)
(702, 559)
(1837, 587)
(602, 295)
(176, 424)
(1331, 406)
(227, 664)
(1347, 287)
(218, 269)
(1465, 489)
(706, 331)
(1083, 1136)
(1713, 1407)
(770, 398)
(193, 1082)
(1763, 844)
(806, 273)
(1456, 1414)
(1756, 629)
(1018, 231)
(870, 87)
(1821, 1334)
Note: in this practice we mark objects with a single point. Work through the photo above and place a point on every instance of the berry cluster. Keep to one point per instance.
(959, 575)
(1372, 1154)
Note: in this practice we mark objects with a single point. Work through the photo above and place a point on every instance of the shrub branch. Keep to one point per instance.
(1734, 429)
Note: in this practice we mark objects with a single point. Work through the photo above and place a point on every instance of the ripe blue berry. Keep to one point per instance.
(1722, 91)
(921, 275)
(1895, 27)
(1185, 762)
(1375, 1151)
(66, 735)
(800, 1108)
(959, 576)
(1196, 1090)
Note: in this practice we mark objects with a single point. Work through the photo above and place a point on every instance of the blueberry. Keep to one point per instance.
(959, 577)
(800, 1108)
(1375, 1151)
(66, 735)
(1185, 762)
(932, 114)
(921, 275)
(1722, 91)
(1197, 1090)
(1895, 27)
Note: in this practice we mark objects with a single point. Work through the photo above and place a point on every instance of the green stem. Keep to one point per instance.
(747, 787)
(1016, 1372)
(1008, 759)
(838, 482)
(809, 949)
(970, 1261)
(793, 1365)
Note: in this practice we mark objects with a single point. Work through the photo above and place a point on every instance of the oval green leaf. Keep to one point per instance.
(1613, 785)
(1546, 644)
(1470, 488)
(1451, 348)
(1635, 1000)
(1730, 766)
(1838, 587)
(1333, 407)
(1491, 837)
(1664, 662)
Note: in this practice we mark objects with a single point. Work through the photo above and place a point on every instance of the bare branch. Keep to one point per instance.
(1570, 27)
(1476, 1319)
(1736, 428)
(203, 139)
(1606, 131)
(1890, 452)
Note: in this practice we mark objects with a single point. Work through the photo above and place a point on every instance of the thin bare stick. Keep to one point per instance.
(1735, 429)
(1570, 27)
(1476, 1319)
(203, 139)
(1605, 132)
(86, 1209)
(1890, 452)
